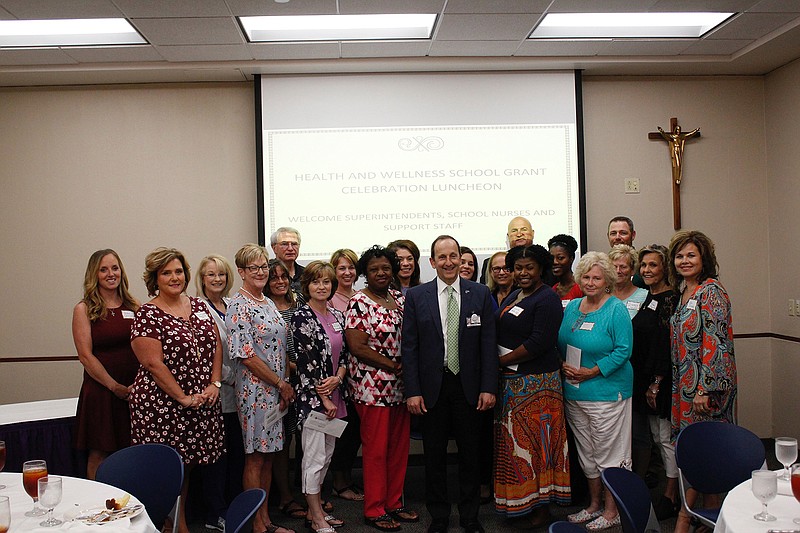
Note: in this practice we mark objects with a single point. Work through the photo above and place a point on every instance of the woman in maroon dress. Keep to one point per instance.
(101, 330)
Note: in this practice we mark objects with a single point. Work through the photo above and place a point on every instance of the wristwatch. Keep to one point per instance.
(217, 384)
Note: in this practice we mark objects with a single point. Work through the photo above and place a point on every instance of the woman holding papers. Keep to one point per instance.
(257, 341)
(595, 338)
(318, 332)
(530, 417)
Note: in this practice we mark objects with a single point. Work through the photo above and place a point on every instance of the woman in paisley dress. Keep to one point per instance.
(703, 364)
(318, 332)
(174, 397)
(257, 342)
(101, 329)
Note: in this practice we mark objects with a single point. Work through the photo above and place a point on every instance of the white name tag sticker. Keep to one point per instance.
(128, 314)
(202, 315)
(691, 304)
(633, 306)
(587, 326)
(473, 321)
(652, 305)
(337, 327)
(564, 303)
(516, 310)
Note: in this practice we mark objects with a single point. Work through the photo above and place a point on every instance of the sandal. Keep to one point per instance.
(382, 523)
(330, 519)
(327, 506)
(583, 516)
(273, 528)
(601, 522)
(295, 512)
(404, 515)
(349, 492)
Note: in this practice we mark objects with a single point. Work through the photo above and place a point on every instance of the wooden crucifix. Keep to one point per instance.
(676, 140)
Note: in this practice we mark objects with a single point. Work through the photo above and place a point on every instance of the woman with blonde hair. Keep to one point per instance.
(177, 386)
(595, 339)
(257, 341)
(101, 330)
(623, 257)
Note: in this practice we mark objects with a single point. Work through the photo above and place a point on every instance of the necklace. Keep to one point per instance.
(172, 311)
(259, 300)
(387, 298)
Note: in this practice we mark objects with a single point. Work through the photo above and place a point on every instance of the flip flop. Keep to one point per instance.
(342, 493)
(293, 512)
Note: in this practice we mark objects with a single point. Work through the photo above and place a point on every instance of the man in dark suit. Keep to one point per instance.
(450, 369)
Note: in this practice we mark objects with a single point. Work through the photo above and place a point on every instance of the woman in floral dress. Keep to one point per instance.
(257, 342)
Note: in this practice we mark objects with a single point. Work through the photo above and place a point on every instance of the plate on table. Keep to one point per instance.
(101, 515)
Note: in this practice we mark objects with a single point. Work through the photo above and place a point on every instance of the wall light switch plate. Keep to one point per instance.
(631, 185)
(791, 307)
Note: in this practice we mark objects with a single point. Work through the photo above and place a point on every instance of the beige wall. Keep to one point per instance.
(783, 236)
(137, 167)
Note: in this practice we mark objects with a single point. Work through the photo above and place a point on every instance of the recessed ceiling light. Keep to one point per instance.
(67, 32)
(627, 25)
(338, 27)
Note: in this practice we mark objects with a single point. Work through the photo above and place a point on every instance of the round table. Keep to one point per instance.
(736, 515)
(79, 495)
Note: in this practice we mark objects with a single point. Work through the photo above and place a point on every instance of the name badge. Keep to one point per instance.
(587, 326)
(127, 314)
(652, 305)
(564, 304)
(473, 321)
(337, 327)
(516, 310)
(691, 304)
(633, 306)
(202, 315)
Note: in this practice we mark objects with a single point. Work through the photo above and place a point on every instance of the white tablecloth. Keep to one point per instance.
(79, 495)
(740, 505)
(13, 413)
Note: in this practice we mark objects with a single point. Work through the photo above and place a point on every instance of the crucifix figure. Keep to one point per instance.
(676, 140)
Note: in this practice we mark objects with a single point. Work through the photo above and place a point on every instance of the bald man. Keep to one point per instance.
(519, 233)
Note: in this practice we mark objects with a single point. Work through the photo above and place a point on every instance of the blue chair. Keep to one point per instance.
(153, 473)
(633, 500)
(242, 510)
(565, 527)
(714, 457)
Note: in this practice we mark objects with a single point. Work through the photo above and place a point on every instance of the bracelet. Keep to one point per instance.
(653, 390)
(340, 381)
(656, 380)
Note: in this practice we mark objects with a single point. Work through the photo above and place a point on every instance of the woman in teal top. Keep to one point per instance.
(595, 339)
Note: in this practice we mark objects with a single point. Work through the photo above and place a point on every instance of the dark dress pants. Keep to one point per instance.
(451, 415)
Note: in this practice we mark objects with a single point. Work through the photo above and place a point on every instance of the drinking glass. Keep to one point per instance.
(2, 459)
(765, 488)
(31, 472)
(49, 497)
(5, 514)
(786, 453)
(796, 485)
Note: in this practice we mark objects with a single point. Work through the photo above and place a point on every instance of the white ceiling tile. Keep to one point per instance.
(485, 27)
(33, 56)
(719, 6)
(55, 9)
(558, 48)
(493, 6)
(631, 47)
(113, 54)
(600, 6)
(5, 15)
(716, 47)
(223, 52)
(752, 25)
(386, 49)
(348, 7)
(173, 8)
(474, 48)
(295, 51)
(184, 31)
(776, 6)
(250, 8)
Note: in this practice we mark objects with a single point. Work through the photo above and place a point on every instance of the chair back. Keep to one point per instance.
(565, 527)
(633, 500)
(153, 473)
(714, 457)
(242, 510)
